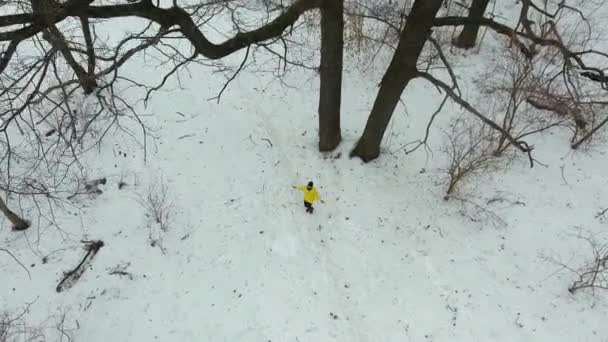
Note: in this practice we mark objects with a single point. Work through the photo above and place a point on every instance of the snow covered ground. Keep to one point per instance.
(384, 258)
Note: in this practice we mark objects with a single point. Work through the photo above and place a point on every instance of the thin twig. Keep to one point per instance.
(218, 97)
(488, 212)
(268, 141)
(17, 261)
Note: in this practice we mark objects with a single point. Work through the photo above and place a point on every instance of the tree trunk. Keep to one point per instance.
(468, 36)
(400, 72)
(330, 93)
(18, 222)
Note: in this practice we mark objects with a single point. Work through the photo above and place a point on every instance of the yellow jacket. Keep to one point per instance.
(309, 195)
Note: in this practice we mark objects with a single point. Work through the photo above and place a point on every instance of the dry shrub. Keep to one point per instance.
(17, 328)
(533, 94)
(158, 205)
(470, 151)
(593, 274)
(518, 98)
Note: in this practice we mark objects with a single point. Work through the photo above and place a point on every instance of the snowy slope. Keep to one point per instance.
(384, 258)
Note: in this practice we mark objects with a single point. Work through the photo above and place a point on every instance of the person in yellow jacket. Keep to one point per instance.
(310, 195)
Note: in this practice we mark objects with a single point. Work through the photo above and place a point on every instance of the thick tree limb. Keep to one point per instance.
(16, 19)
(23, 33)
(118, 62)
(92, 247)
(176, 16)
(8, 54)
(57, 40)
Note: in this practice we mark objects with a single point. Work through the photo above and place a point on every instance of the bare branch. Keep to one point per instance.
(445, 62)
(17, 261)
(232, 77)
(424, 141)
(522, 146)
(590, 134)
(57, 40)
(8, 54)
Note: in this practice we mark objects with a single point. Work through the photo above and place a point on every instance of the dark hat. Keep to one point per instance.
(310, 184)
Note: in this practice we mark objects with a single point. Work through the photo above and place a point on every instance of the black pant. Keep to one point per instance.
(309, 207)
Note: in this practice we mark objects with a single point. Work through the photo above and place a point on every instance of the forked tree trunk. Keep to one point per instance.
(468, 37)
(18, 222)
(400, 72)
(330, 94)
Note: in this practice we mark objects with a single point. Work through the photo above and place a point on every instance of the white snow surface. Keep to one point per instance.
(384, 258)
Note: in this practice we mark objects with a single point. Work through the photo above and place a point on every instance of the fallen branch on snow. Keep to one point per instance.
(70, 278)
(121, 271)
(601, 213)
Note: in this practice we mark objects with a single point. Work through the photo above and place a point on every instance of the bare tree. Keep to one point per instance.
(67, 62)
(330, 93)
(402, 69)
(530, 39)
(62, 88)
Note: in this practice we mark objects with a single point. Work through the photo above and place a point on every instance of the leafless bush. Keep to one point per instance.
(13, 328)
(17, 328)
(535, 93)
(470, 149)
(594, 274)
(521, 101)
(158, 206)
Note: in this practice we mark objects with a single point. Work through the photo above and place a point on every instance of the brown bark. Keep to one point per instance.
(18, 222)
(400, 72)
(468, 36)
(330, 92)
